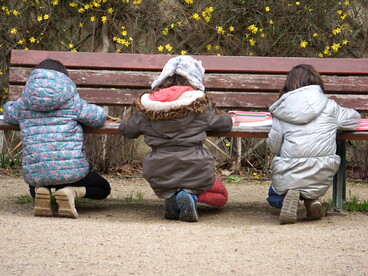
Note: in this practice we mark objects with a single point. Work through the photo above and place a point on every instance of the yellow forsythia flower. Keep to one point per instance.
(220, 30)
(335, 47)
(303, 43)
(196, 16)
(253, 29)
(168, 47)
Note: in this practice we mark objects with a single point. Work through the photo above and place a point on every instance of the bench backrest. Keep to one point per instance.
(233, 82)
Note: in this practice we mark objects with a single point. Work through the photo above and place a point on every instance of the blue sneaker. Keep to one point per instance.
(188, 206)
(172, 211)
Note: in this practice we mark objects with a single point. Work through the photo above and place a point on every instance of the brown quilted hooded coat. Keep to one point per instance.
(176, 132)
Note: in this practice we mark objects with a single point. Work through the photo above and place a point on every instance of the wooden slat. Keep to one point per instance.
(104, 96)
(94, 78)
(223, 99)
(357, 102)
(212, 81)
(345, 66)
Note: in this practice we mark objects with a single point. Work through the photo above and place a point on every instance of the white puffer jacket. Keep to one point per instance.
(303, 137)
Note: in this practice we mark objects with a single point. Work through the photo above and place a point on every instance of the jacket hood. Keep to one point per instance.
(171, 118)
(300, 106)
(47, 90)
(189, 102)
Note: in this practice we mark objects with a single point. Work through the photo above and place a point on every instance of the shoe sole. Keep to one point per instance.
(316, 211)
(289, 210)
(188, 210)
(172, 211)
(42, 206)
(65, 208)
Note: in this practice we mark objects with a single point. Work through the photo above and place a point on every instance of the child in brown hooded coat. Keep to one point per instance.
(174, 119)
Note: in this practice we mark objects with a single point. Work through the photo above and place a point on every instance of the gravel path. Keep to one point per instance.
(126, 235)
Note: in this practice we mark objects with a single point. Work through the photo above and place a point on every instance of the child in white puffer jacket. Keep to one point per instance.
(303, 137)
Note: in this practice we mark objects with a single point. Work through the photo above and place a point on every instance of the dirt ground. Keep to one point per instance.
(127, 235)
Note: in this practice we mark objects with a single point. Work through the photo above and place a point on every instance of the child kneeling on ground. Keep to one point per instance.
(303, 137)
(50, 114)
(174, 119)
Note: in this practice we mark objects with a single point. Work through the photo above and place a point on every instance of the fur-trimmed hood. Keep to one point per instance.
(190, 102)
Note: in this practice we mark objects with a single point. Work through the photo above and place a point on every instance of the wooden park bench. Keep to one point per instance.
(233, 82)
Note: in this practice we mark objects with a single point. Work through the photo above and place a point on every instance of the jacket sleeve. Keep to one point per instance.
(92, 115)
(10, 112)
(219, 121)
(347, 118)
(129, 127)
(275, 137)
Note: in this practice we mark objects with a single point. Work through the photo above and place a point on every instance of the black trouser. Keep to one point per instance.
(97, 187)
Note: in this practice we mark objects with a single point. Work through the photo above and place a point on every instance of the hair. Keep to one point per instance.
(301, 75)
(174, 80)
(52, 65)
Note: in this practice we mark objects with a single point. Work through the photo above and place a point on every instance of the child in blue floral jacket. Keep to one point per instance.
(50, 114)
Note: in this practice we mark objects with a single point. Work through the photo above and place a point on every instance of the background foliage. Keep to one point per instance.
(306, 28)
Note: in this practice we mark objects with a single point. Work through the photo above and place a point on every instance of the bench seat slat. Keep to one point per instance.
(112, 128)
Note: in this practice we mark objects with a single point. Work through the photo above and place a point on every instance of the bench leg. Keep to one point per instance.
(339, 182)
(239, 153)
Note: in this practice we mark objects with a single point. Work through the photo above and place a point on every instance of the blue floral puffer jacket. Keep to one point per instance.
(50, 114)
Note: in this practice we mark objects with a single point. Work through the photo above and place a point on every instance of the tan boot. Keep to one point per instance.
(65, 198)
(314, 209)
(289, 210)
(42, 207)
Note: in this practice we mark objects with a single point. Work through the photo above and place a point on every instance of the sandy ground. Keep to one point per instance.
(127, 235)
